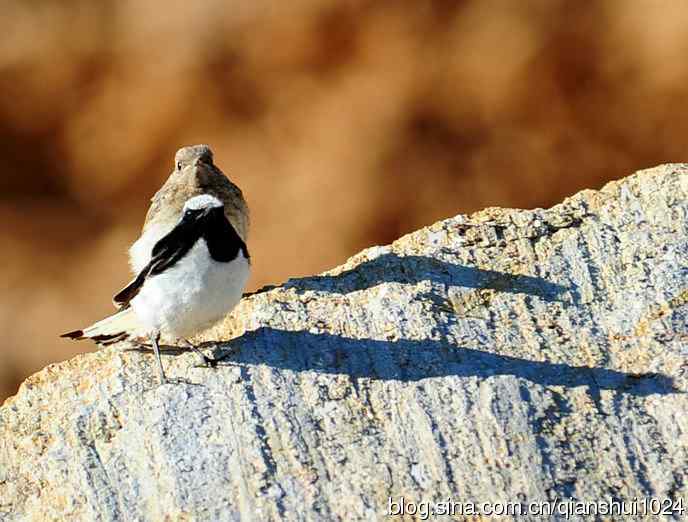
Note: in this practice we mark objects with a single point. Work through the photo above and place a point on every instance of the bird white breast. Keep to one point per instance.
(140, 251)
(193, 294)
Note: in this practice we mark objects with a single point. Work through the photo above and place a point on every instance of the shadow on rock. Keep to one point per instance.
(410, 361)
(391, 268)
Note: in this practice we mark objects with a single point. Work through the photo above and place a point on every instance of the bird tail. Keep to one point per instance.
(118, 327)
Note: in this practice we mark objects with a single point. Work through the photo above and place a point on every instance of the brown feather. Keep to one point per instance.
(198, 178)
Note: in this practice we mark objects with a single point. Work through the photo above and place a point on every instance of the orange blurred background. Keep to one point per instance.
(346, 124)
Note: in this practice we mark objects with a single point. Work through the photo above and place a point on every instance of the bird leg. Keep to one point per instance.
(155, 339)
(208, 362)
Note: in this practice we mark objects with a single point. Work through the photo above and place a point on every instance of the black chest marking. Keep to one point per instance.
(166, 253)
(224, 244)
(174, 246)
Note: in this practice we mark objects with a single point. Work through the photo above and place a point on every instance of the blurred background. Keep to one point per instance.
(346, 123)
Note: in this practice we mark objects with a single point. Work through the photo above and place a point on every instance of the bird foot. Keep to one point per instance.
(208, 362)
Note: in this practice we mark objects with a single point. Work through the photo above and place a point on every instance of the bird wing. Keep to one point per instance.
(122, 298)
(166, 253)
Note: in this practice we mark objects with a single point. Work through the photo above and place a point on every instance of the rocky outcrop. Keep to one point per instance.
(507, 357)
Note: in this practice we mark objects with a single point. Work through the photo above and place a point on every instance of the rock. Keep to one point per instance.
(511, 356)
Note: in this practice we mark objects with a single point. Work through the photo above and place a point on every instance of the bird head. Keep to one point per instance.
(193, 155)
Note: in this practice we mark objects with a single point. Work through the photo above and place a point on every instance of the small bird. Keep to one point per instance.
(194, 276)
(194, 174)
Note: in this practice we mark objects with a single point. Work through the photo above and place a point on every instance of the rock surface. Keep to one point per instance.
(510, 356)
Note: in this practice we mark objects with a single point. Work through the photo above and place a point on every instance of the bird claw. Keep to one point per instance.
(208, 362)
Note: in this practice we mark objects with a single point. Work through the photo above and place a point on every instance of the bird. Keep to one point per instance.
(195, 275)
(194, 174)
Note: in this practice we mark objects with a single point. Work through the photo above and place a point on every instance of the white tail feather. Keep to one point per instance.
(117, 327)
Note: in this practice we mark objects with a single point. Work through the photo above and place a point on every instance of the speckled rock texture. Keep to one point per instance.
(509, 356)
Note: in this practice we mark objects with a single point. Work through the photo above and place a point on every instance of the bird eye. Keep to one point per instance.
(179, 165)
